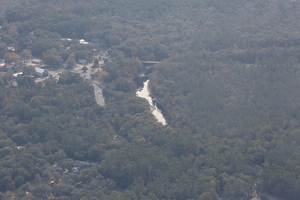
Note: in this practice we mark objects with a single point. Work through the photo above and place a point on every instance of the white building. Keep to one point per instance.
(41, 72)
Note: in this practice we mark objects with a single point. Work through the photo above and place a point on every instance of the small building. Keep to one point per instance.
(36, 61)
(11, 49)
(17, 74)
(82, 41)
(82, 61)
(83, 164)
(2, 65)
(9, 66)
(66, 39)
(76, 170)
(141, 75)
(41, 72)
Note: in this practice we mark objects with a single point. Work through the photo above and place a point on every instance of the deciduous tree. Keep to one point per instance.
(11, 57)
(26, 55)
(51, 59)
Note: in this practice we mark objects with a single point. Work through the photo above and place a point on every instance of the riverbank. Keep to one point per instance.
(144, 92)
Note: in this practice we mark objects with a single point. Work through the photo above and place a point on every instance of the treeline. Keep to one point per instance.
(228, 82)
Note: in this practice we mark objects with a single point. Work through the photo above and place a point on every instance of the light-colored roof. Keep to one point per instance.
(17, 74)
(82, 41)
(36, 60)
(39, 70)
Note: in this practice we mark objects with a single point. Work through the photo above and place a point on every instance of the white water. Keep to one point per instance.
(144, 93)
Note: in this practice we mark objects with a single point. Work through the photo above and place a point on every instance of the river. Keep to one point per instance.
(144, 92)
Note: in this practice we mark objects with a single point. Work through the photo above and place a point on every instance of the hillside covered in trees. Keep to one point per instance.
(228, 82)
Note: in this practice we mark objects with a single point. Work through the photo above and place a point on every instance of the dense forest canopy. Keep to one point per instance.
(228, 82)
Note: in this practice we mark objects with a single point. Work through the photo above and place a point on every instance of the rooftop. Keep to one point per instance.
(39, 70)
(36, 60)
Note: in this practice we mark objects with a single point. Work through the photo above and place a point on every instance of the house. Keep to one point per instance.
(11, 49)
(9, 66)
(83, 164)
(36, 61)
(66, 39)
(2, 65)
(82, 41)
(41, 72)
(82, 61)
(76, 170)
(17, 74)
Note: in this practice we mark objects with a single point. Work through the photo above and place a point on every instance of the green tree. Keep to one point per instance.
(6, 182)
(28, 70)
(71, 61)
(96, 63)
(42, 45)
(25, 81)
(11, 57)
(5, 151)
(2, 50)
(26, 55)
(62, 190)
(237, 189)
(84, 68)
(59, 156)
(42, 191)
(8, 39)
(82, 54)
(51, 59)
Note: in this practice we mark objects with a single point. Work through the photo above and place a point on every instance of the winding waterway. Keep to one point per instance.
(144, 92)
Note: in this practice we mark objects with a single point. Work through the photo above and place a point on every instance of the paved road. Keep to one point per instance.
(98, 95)
(87, 75)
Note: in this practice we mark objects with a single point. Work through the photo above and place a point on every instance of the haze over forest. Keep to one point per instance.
(227, 81)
